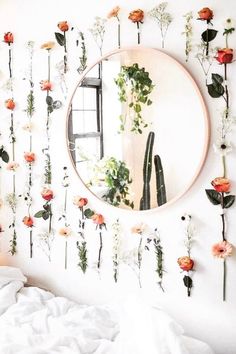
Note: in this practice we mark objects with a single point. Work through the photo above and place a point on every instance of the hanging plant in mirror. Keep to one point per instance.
(134, 86)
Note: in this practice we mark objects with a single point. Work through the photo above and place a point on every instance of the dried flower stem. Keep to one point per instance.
(100, 248)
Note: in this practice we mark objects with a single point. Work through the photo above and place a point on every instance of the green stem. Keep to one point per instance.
(100, 250)
(138, 28)
(31, 243)
(118, 32)
(9, 63)
(224, 166)
(224, 280)
(65, 55)
(66, 254)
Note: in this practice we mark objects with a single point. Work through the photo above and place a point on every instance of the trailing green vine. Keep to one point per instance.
(134, 86)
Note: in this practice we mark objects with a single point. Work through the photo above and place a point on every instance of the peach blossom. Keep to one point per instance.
(114, 12)
(222, 249)
(12, 166)
(64, 231)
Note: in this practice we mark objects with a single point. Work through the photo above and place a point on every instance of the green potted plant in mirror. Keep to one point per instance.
(135, 87)
(114, 175)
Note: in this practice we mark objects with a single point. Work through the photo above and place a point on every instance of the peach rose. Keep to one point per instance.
(136, 16)
(8, 38)
(64, 231)
(29, 156)
(225, 56)
(48, 45)
(45, 85)
(114, 12)
(222, 249)
(80, 202)
(205, 14)
(12, 166)
(28, 221)
(98, 219)
(221, 184)
(47, 194)
(185, 263)
(10, 104)
(63, 26)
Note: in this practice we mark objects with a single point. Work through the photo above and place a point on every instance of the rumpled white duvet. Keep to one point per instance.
(33, 321)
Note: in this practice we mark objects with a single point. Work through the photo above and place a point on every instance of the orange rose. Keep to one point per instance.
(205, 14)
(47, 194)
(221, 184)
(114, 12)
(136, 16)
(45, 85)
(29, 156)
(185, 263)
(80, 202)
(225, 56)
(10, 104)
(98, 219)
(63, 26)
(8, 38)
(28, 221)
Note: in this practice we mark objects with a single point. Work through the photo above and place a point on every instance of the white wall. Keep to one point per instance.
(203, 315)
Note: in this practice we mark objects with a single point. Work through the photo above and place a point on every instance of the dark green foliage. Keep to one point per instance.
(160, 181)
(213, 196)
(117, 179)
(60, 38)
(88, 213)
(4, 155)
(141, 88)
(45, 213)
(229, 201)
(209, 35)
(147, 171)
(216, 89)
(83, 260)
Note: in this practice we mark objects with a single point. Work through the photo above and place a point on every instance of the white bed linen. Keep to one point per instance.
(34, 321)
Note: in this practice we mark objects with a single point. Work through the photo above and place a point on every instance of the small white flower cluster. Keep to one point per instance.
(98, 31)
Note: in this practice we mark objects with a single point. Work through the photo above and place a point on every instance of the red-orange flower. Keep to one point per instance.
(136, 16)
(8, 38)
(47, 194)
(80, 202)
(10, 104)
(98, 219)
(221, 184)
(185, 263)
(225, 56)
(205, 14)
(63, 26)
(45, 85)
(29, 156)
(28, 221)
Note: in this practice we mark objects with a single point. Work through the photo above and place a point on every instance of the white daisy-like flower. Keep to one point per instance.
(229, 23)
(222, 147)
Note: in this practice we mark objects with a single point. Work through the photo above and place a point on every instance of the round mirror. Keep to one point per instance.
(137, 129)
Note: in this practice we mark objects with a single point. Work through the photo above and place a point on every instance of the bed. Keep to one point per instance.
(35, 321)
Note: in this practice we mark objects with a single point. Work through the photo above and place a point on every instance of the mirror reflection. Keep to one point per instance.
(137, 129)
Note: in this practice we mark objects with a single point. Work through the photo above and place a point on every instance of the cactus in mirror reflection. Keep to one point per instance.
(160, 181)
(147, 171)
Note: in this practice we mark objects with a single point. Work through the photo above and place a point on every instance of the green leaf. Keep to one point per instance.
(188, 281)
(88, 213)
(60, 38)
(229, 201)
(217, 79)
(209, 35)
(213, 196)
(49, 100)
(39, 214)
(215, 90)
(4, 155)
(45, 215)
